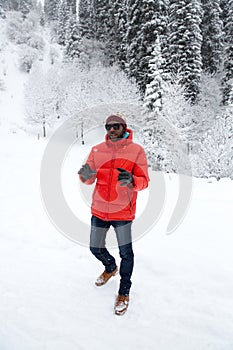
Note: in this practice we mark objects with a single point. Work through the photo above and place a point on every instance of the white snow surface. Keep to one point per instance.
(182, 284)
(181, 296)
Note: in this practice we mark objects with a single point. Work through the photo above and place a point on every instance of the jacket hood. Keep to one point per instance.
(128, 139)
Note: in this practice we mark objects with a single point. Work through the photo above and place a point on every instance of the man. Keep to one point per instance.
(120, 169)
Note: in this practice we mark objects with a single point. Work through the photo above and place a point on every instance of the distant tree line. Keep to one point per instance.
(24, 6)
(179, 54)
(194, 36)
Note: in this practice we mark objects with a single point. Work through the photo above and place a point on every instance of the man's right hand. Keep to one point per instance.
(86, 173)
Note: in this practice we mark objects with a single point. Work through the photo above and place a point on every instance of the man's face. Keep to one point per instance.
(116, 131)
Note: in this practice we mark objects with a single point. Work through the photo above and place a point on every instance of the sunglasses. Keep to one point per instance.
(115, 126)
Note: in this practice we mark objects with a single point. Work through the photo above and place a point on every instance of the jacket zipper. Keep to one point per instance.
(110, 178)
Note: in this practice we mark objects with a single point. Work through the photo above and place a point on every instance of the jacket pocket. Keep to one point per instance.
(130, 198)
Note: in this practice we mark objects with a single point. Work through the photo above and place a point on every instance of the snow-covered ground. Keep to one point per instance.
(182, 283)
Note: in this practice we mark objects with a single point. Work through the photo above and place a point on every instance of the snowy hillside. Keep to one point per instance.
(182, 283)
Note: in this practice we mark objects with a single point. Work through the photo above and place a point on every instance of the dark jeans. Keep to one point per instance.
(99, 229)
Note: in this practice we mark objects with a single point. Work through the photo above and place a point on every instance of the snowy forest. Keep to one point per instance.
(172, 58)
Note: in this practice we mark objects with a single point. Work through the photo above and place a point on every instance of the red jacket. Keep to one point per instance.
(110, 201)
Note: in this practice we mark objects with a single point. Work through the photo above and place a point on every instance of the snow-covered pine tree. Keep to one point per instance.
(212, 34)
(115, 45)
(154, 90)
(153, 25)
(51, 10)
(162, 7)
(149, 137)
(2, 10)
(63, 22)
(25, 6)
(152, 132)
(166, 149)
(223, 5)
(3, 4)
(121, 47)
(133, 37)
(215, 156)
(184, 44)
(60, 23)
(72, 4)
(86, 18)
(68, 22)
(228, 56)
(101, 18)
(11, 5)
(40, 11)
(73, 40)
(145, 20)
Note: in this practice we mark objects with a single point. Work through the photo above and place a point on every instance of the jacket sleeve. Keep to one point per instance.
(91, 162)
(140, 172)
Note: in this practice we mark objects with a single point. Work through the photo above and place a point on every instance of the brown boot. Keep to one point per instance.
(121, 304)
(105, 276)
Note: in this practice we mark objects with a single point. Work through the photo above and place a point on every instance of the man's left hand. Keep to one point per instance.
(125, 177)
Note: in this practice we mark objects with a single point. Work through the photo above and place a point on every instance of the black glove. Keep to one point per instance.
(86, 173)
(125, 177)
